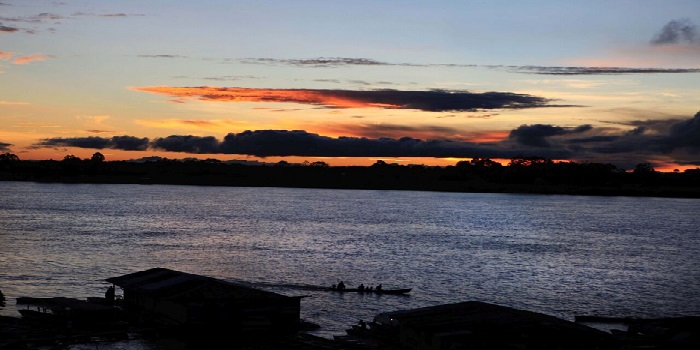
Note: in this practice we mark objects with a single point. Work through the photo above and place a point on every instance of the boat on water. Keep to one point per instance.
(401, 291)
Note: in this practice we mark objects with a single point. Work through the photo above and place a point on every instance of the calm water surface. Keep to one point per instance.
(560, 255)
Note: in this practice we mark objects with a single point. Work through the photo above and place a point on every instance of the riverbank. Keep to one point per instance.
(579, 180)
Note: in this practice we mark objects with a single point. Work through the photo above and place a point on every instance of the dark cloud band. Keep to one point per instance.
(430, 100)
(673, 138)
(537, 135)
(125, 143)
(269, 143)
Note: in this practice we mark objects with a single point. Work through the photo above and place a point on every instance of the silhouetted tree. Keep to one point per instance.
(97, 158)
(478, 168)
(484, 162)
(463, 164)
(8, 157)
(96, 163)
(8, 160)
(644, 173)
(529, 161)
(71, 159)
(644, 168)
(71, 165)
(319, 164)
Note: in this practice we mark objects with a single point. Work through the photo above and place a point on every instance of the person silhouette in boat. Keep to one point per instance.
(362, 324)
(378, 289)
(109, 294)
(361, 288)
(341, 286)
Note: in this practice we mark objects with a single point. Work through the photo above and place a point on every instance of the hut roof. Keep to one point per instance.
(495, 323)
(166, 283)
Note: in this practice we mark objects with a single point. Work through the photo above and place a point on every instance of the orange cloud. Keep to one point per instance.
(314, 97)
(5, 55)
(423, 132)
(490, 136)
(214, 124)
(428, 100)
(31, 58)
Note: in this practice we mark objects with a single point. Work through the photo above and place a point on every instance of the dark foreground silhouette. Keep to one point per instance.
(198, 312)
(521, 175)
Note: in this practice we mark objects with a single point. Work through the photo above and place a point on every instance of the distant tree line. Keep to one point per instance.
(520, 175)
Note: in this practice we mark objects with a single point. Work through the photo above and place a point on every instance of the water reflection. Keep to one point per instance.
(560, 255)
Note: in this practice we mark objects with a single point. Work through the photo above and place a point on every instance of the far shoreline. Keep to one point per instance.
(682, 193)
(526, 176)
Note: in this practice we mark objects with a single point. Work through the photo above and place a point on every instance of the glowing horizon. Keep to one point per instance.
(428, 91)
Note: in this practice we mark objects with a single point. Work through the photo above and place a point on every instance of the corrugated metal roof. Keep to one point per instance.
(170, 283)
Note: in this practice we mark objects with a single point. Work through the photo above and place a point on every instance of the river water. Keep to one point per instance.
(560, 255)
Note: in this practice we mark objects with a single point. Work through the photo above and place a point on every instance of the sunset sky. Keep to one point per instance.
(353, 82)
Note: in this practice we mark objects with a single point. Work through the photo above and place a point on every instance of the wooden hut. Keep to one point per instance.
(182, 299)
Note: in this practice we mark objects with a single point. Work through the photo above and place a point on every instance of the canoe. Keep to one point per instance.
(373, 291)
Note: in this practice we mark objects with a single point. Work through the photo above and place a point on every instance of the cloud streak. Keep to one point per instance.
(31, 58)
(6, 29)
(189, 124)
(429, 100)
(125, 143)
(391, 130)
(320, 62)
(48, 18)
(334, 62)
(680, 30)
(8, 56)
(543, 70)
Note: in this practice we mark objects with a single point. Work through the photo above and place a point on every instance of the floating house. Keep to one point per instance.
(478, 325)
(182, 299)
